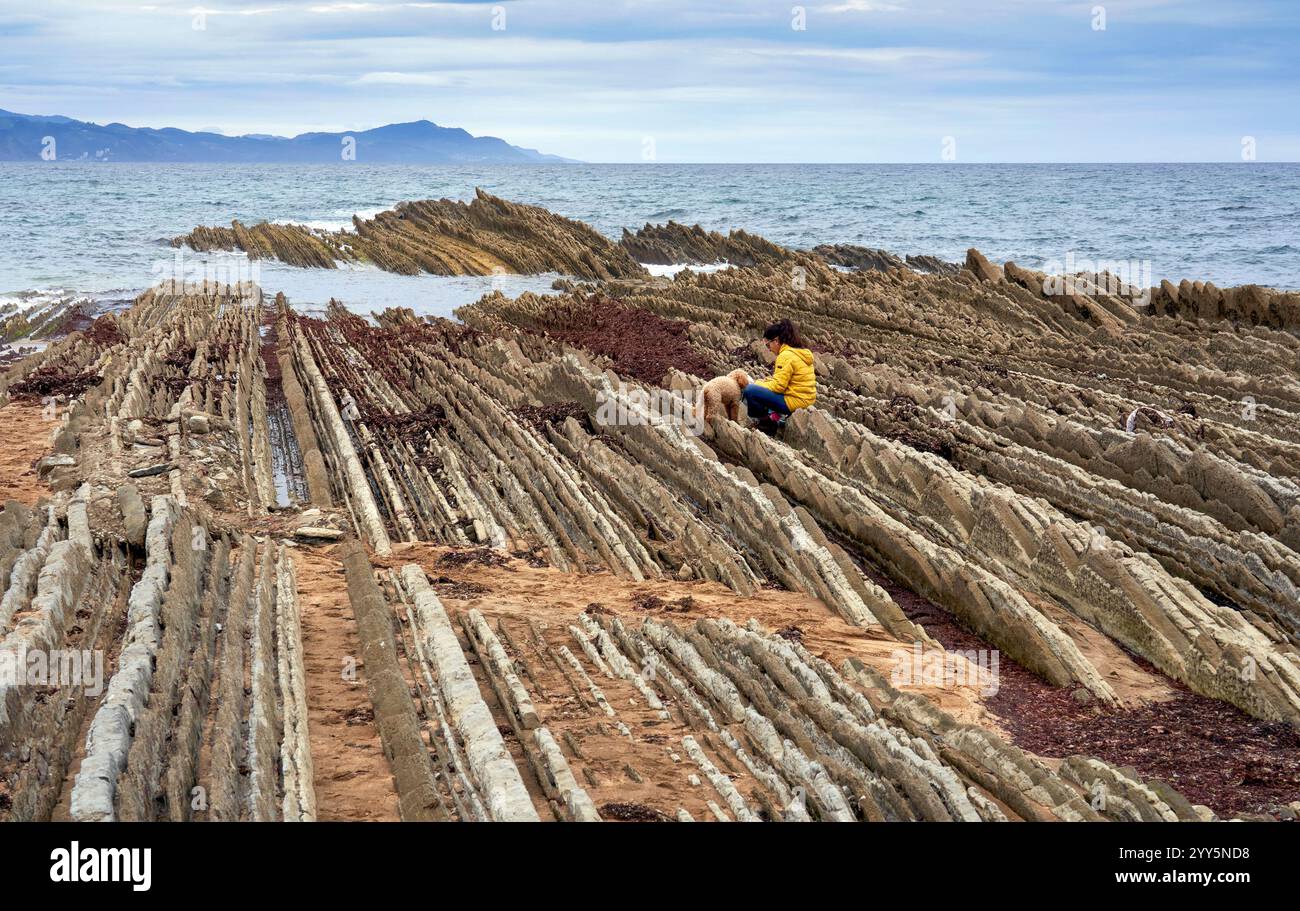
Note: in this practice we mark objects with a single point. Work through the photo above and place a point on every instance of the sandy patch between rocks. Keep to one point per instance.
(352, 779)
(24, 439)
(555, 598)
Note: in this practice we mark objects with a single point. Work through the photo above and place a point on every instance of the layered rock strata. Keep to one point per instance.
(1106, 497)
(486, 236)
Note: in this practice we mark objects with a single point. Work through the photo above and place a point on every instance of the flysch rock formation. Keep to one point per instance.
(853, 256)
(677, 244)
(46, 318)
(486, 236)
(556, 596)
(674, 243)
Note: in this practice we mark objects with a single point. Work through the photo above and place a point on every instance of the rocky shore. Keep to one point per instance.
(443, 237)
(555, 597)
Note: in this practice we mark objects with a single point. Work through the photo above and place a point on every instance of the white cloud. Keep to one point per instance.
(208, 11)
(395, 78)
(876, 56)
(860, 6)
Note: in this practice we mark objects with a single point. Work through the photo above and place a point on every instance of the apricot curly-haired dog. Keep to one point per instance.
(722, 394)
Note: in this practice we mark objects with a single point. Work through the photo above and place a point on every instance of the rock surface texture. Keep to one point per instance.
(1032, 555)
(483, 237)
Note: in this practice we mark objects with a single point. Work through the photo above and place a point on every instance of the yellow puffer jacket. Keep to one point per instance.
(794, 377)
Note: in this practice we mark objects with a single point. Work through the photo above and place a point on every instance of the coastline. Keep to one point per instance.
(96, 229)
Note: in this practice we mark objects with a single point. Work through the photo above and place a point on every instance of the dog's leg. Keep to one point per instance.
(708, 404)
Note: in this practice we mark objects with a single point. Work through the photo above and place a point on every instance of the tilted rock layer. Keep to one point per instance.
(444, 237)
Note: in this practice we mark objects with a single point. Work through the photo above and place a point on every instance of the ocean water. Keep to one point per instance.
(100, 230)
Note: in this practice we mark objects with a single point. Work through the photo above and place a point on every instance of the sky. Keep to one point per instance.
(689, 80)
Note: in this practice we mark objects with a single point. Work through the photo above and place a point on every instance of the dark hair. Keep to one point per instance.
(786, 331)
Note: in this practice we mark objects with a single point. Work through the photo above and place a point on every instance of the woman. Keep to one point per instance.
(793, 383)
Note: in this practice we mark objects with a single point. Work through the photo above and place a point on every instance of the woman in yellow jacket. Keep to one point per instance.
(793, 383)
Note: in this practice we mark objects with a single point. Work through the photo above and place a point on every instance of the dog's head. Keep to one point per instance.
(741, 378)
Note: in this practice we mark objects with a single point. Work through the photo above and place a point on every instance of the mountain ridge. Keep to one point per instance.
(27, 137)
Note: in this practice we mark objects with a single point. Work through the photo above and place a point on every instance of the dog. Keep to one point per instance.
(722, 394)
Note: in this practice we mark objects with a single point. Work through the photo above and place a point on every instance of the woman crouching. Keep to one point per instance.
(793, 383)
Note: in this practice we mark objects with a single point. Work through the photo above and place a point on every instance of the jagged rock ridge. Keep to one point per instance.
(444, 237)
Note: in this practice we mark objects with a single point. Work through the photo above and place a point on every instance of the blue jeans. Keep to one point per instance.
(760, 400)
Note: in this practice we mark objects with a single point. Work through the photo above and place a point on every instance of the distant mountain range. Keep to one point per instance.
(26, 137)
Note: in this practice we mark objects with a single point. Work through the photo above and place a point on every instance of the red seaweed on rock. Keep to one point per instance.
(105, 332)
(639, 343)
(53, 380)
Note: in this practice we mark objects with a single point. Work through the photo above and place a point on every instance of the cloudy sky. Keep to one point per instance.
(705, 80)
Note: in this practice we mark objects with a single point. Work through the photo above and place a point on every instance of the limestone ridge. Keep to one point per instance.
(444, 237)
(674, 244)
(1248, 305)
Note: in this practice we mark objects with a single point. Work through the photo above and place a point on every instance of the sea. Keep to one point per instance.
(100, 231)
